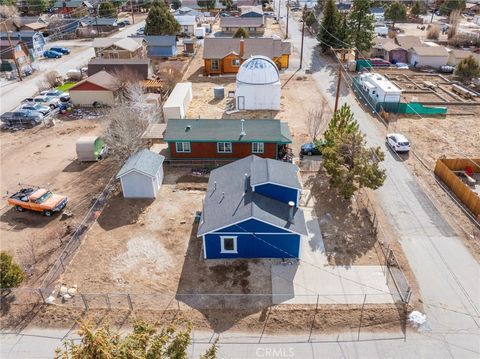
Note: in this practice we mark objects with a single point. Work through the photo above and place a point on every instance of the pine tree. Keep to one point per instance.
(467, 69)
(176, 4)
(11, 275)
(327, 36)
(348, 161)
(361, 24)
(160, 21)
(344, 33)
(206, 4)
(107, 9)
(416, 9)
(241, 33)
(396, 12)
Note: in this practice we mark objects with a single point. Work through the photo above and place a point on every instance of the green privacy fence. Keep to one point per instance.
(413, 108)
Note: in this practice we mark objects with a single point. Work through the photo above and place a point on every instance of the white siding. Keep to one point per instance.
(139, 185)
(87, 98)
(258, 97)
(177, 103)
(433, 61)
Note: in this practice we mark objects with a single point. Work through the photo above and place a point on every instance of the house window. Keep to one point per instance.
(228, 244)
(258, 147)
(215, 64)
(182, 147)
(224, 147)
(236, 62)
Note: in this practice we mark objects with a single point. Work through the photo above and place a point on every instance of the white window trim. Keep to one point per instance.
(217, 62)
(222, 245)
(253, 147)
(236, 62)
(183, 142)
(218, 147)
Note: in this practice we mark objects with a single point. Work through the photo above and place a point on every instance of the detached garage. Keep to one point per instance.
(96, 89)
(432, 56)
(142, 175)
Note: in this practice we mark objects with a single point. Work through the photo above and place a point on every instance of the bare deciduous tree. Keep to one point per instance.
(124, 78)
(51, 79)
(169, 75)
(433, 32)
(316, 119)
(128, 120)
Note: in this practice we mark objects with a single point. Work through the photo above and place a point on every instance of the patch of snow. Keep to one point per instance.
(418, 320)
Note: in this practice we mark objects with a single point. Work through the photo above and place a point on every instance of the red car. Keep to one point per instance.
(380, 62)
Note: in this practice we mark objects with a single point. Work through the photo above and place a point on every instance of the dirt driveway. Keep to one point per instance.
(46, 157)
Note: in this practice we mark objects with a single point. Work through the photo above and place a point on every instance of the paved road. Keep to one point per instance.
(12, 94)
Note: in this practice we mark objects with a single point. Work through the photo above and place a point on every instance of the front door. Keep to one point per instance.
(241, 103)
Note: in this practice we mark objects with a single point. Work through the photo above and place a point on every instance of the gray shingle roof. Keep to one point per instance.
(241, 21)
(144, 161)
(273, 171)
(430, 51)
(202, 130)
(227, 203)
(219, 47)
(161, 40)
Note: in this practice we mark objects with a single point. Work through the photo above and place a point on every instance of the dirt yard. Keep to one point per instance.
(46, 157)
(453, 136)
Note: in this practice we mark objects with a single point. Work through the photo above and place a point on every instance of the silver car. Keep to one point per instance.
(398, 142)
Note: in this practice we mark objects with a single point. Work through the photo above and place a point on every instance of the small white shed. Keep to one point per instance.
(258, 85)
(177, 103)
(433, 56)
(142, 174)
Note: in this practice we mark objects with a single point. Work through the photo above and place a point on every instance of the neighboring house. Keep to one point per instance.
(19, 52)
(251, 210)
(67, 7)
(161, 46)
(62, 28)
(225, 55)
(258, 85)
(389, 50)
(188, 24)
(193, 4)
(225, 139)
(33, 39)
(118, 48)
(136, 67)
(431, 56)
(408, 42)
(251, 11)
(253, 25)
(142, 174)
(455, 56)
(378, 13)
(99, 88)
(34, 26)
(379, 88)
(89, 25)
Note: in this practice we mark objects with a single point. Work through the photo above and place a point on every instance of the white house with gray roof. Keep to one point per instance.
(142, 174)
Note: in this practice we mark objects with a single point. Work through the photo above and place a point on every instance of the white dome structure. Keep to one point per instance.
(258, 85)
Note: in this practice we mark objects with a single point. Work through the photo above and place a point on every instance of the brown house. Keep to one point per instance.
(119, 48)
(225, 55)
(254, 25)
(18, 51)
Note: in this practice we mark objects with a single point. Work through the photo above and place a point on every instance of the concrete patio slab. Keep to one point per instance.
(312, 280)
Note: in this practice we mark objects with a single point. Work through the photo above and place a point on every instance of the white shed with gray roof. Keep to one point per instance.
(142, 174)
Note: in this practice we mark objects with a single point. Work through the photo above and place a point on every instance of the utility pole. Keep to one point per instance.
(131, 9)
(288, 12)
(339, 81)
(303, 35)
(13, 52)
(279, 5)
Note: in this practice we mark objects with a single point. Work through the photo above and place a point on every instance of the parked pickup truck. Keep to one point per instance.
(37, 199)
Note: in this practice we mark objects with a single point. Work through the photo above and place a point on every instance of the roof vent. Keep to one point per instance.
(188, 128)
(243, 133)
(291, 206)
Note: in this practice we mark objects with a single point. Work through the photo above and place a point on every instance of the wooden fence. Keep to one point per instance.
(444, 170)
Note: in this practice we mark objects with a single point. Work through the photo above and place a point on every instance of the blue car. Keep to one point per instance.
(49, 54)
(62, 50)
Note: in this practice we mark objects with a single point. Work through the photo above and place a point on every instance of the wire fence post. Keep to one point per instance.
(84, 302)
(130, 304)
(107, 300)
(39, 290)
(361, 317)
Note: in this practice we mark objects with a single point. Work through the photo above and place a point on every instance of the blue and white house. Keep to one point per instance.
(161, 46)
(34, 40)
(251, 211)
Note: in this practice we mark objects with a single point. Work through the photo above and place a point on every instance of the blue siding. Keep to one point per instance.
(253, 226)
(258, 246)
(282, 194)
(162, 51)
